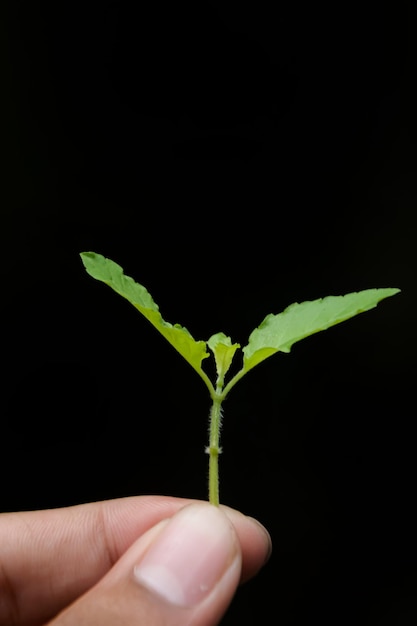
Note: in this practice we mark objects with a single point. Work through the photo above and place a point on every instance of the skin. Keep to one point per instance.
(75, 565)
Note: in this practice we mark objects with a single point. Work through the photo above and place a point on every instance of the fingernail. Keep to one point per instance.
(189, 556)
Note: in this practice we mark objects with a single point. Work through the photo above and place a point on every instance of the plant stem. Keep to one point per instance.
(213, 448)
(233, 381)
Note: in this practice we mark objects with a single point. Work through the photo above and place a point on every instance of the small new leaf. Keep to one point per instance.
(110, 273)
(279, 332)
(223, 351)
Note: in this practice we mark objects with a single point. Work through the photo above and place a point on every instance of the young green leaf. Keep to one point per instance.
(112, 274)
(223, 351)
(299, 320)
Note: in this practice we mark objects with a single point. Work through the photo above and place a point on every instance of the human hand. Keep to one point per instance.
(146, 560)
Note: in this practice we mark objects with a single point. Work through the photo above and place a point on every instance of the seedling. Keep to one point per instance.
(277, 333)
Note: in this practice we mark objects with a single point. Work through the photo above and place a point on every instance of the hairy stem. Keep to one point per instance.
(213, 449)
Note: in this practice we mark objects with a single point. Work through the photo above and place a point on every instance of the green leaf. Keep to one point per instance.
(223, 351)
(112, 274)
(279, 332)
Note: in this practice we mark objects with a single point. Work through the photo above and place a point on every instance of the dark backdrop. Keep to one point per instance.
(233, 161)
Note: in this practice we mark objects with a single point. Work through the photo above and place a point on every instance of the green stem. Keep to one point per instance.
(207, 381)
(213, 449)
(233, 381)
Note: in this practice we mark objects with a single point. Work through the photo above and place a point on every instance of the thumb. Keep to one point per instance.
(185, 571)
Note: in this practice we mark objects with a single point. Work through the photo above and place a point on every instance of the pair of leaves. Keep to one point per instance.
(276, 333)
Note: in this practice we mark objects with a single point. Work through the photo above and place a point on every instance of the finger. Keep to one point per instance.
(49, 558)
(184, 571)
(255, 542)
(34, 582)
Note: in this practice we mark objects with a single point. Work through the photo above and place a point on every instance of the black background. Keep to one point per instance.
(233, 160)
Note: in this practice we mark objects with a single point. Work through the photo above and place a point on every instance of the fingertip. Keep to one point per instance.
(190, 556)
(255, 541)
(265, 537)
